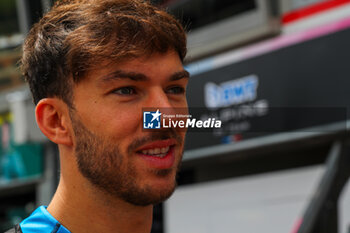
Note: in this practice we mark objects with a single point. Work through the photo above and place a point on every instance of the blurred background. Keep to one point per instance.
(275, 72)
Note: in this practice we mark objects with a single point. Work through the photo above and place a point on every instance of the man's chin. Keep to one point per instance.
(149, 196)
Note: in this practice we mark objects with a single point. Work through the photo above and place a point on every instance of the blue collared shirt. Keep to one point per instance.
(41, 221)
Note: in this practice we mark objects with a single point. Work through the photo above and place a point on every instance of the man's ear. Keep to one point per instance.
(52, 116)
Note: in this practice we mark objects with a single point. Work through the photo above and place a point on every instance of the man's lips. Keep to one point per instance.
(158, 144)
(158, 154)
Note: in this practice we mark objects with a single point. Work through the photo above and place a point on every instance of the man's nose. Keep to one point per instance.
(159, 99)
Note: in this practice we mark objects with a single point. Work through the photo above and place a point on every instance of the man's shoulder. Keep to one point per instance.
(16, 229)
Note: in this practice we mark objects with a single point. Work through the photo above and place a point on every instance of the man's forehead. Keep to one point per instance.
(138, 68)
(140, 59)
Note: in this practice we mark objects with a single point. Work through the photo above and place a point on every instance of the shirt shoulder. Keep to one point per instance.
(41, 221)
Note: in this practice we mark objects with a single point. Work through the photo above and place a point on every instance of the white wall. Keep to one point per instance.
(344, 209)
(267, 203)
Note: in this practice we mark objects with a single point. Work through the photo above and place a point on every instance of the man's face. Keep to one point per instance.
(112, 150)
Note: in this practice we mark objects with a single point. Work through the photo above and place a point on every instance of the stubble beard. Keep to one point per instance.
(101, 162)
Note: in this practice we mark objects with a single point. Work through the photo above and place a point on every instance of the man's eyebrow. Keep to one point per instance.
(179, 75)
(120, 74)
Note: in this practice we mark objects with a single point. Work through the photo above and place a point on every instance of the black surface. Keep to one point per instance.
(313, 74)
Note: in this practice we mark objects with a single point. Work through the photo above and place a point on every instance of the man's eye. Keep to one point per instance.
(125, 91)
(176, 90)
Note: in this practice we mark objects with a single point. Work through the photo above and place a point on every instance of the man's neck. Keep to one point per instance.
(84, 209)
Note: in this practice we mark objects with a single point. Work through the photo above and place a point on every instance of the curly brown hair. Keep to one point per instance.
(77, 35)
